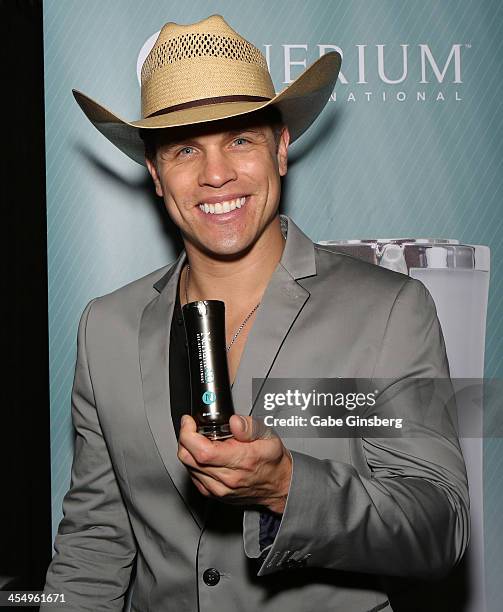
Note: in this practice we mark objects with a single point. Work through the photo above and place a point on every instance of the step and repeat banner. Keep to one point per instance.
(409, 146)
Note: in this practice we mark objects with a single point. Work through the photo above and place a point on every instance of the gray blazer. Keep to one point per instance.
(357, 510)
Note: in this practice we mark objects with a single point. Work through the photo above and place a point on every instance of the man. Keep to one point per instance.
(246, 524)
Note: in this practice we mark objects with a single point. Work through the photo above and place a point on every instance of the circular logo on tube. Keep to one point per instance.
(209, 397)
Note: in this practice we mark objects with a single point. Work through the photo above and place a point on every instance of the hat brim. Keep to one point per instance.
(299, 103)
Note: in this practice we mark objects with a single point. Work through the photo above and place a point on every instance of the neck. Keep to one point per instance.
(240, 280)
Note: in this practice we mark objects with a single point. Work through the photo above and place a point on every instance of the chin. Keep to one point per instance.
(231, 250)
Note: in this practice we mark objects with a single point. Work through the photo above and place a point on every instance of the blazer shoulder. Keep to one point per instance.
(130, 299)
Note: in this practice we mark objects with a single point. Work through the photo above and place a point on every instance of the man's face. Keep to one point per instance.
(221, 182)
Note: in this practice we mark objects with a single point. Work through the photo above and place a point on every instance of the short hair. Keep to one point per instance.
(270, 115)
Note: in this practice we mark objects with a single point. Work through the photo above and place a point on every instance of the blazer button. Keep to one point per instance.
(211, 576)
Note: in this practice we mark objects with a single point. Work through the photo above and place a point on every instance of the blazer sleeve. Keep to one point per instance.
(407, 513)
(94, 547)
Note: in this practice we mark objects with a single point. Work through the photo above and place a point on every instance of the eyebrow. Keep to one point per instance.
(191, 140)
(245, 129)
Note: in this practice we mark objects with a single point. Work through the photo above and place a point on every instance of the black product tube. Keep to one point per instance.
(211, 398)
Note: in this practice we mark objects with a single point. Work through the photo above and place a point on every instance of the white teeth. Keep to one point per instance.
(222, 207)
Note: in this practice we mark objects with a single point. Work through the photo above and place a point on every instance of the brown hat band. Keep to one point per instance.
(206, 102)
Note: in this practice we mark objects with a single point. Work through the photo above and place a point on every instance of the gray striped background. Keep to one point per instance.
(365, 169)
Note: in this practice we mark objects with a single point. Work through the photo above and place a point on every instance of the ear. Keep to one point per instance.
(282, 154)
(155, 176)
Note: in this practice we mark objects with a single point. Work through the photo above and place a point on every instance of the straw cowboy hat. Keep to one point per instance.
(204, 72)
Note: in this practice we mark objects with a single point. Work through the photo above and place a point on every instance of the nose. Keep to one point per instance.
(216, 169)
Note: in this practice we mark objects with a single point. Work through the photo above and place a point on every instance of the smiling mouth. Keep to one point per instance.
(218, 208)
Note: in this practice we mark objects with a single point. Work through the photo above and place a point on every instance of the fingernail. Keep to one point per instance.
(244, 423)
(184, 419)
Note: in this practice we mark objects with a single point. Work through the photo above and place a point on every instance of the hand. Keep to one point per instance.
(253, 467)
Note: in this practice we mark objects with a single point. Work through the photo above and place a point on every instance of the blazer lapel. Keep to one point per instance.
(154, 365)
(281, 304)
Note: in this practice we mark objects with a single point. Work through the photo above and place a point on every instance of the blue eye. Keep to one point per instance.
(186, 151)
(241, 140)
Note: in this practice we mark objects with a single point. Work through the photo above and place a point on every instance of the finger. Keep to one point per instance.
(219, 453)
(220, 472)
(221, 492)
(200, 487)
(248, 429)
(199, 446)
(187, 423)
(212, 486)
(198, 472)
(232, 452)
(186, 458)
(231, 477)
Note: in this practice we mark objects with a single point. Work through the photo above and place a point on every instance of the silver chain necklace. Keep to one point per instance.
(240, 328)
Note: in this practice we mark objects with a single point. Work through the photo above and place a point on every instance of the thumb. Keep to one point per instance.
(187, 422)
(248, 429)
